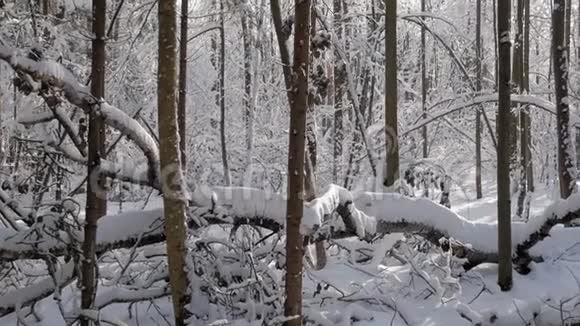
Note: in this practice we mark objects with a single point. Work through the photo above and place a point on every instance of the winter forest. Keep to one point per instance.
(289, 162)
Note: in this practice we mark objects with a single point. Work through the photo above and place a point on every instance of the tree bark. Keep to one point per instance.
(47, 7)
(560, 66)
(424, 83)
(282, 38)
(248, 108)
(172, 183)
(518, 80)
(391, 174)
(222, 97)
(528, 122)
(96, 205)
(339, 82)
(182, 101)
(503, 150)
(478, 82)
(527, 178)
(299, 106)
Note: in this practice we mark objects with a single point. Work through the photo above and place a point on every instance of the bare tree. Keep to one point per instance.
(296, 151)
(503, 149)
(174, 203)
(96, 205)
(391, 132)
(560, 44)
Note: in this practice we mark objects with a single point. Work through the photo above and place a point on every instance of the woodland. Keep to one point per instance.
(289, 162)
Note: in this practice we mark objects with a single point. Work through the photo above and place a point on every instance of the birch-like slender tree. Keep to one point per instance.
(296, 151)
(172, 183)
(504, 150)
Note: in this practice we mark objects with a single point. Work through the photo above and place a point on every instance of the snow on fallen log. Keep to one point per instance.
(115, 231)
(55, 75)
(363, 215)
(241, 205)
(396, 213)
(25, 296)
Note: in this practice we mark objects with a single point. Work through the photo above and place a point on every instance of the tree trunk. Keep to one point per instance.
(518, 78)
(503, 150)
(478, 82)
(526, 178)
(248, 108)
(282, 37)
(47, 7)
(339, 81)
(424, 83)
(391, 174)
(311, 141)
(299, 106)
(528, 122)
(222, 96)
(560, 66)
(182, 102)
(96, 205)
(568, 26)
(172, 183)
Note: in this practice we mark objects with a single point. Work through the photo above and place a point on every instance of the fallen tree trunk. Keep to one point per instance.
(365, 216)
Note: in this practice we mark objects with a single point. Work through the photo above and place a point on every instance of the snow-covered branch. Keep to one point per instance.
(37, 291)
(478, 100)
(54, 75)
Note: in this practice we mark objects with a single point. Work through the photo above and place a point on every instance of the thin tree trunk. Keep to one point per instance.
(182, 101)
(222, 97)
(311, 141)
(299, 106)
(527, 179)
(174, 203)
(424, 83)
(528, 122)
(248, 108)
(518, 79)
(568, 26)
(503, 151)
(560, 66)
(282, 45)
(96, 205)
(478, 82)
(339, 78)
(391, 174)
